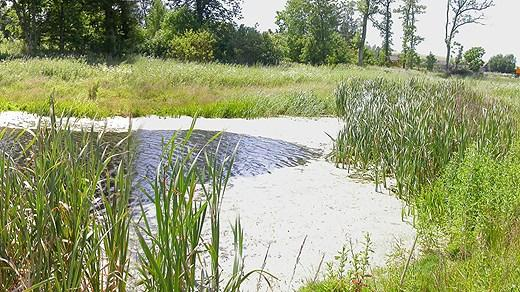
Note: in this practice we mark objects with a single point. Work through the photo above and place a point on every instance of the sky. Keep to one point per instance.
(499, 35)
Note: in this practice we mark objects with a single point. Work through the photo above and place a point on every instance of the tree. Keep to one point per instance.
(502, 64)
(460, 55)
(208, 11)
(310, 28)
(143, 10)
(323, 24)
(292, 24)
(31, 17)
(366, 8)
(155, 18)
(409, 11)
(458, 14)
(385, 28)
(65, 27)
(348, 23)
(252, 47)
(473, 58)
(7, 21)
(430, 62)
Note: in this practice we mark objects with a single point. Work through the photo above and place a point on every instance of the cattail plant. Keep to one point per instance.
(53, 235)
(410, 129)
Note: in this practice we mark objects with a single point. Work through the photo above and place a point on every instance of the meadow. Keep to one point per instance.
(448, 147)
(144, 86)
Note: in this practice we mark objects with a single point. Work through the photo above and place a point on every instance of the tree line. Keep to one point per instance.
(309, 31)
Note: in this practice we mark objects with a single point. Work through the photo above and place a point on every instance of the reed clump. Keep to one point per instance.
(53, 233)
(408, 130)
(66, 219)
(176, 253)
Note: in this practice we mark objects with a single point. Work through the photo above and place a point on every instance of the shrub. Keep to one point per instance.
(11, 49)
(193, 46)
(158, 45)
(430, 62)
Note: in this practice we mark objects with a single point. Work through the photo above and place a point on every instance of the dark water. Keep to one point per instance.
(253, 155)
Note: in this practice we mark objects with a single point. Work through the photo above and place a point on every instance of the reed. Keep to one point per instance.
(53, 235)
(65, 217)
(177, 254)
(408, 130)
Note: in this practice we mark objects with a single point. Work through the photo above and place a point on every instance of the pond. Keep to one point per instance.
(252, 155)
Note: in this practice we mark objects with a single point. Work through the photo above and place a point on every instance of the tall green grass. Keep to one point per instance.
(143, 86)
(409, 130)
(53, 235)
(469, 228)
(177, 255)
(65, 218)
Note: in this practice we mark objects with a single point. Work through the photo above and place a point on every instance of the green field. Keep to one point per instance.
(169, 88)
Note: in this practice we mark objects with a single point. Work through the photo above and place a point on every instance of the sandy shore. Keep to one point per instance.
(303, 131)
(278, 210)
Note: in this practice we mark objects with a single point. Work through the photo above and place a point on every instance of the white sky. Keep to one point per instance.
(499, 35)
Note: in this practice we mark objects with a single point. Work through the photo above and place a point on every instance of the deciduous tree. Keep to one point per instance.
(458, 14)
(385, 28)
(366, 8)
(211, 10)
(502, 64)
(31, 17)
(473, 58)
(409, 10)
(311, 31)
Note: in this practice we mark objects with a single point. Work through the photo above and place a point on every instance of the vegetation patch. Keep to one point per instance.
(455, 158)
(65, 217)
(410, 130)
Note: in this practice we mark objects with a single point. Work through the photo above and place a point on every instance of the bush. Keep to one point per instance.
(11, 49)
(430, 62)
(194, 46)
(502, 64)
(157, 46)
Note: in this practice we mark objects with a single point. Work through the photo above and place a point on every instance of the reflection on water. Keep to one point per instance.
(253, 155)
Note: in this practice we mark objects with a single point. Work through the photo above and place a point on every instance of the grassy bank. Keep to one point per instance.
(453, 154)
(169, 88)
(469, 227)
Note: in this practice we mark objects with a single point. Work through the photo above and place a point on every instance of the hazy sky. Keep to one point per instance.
(499, 35)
